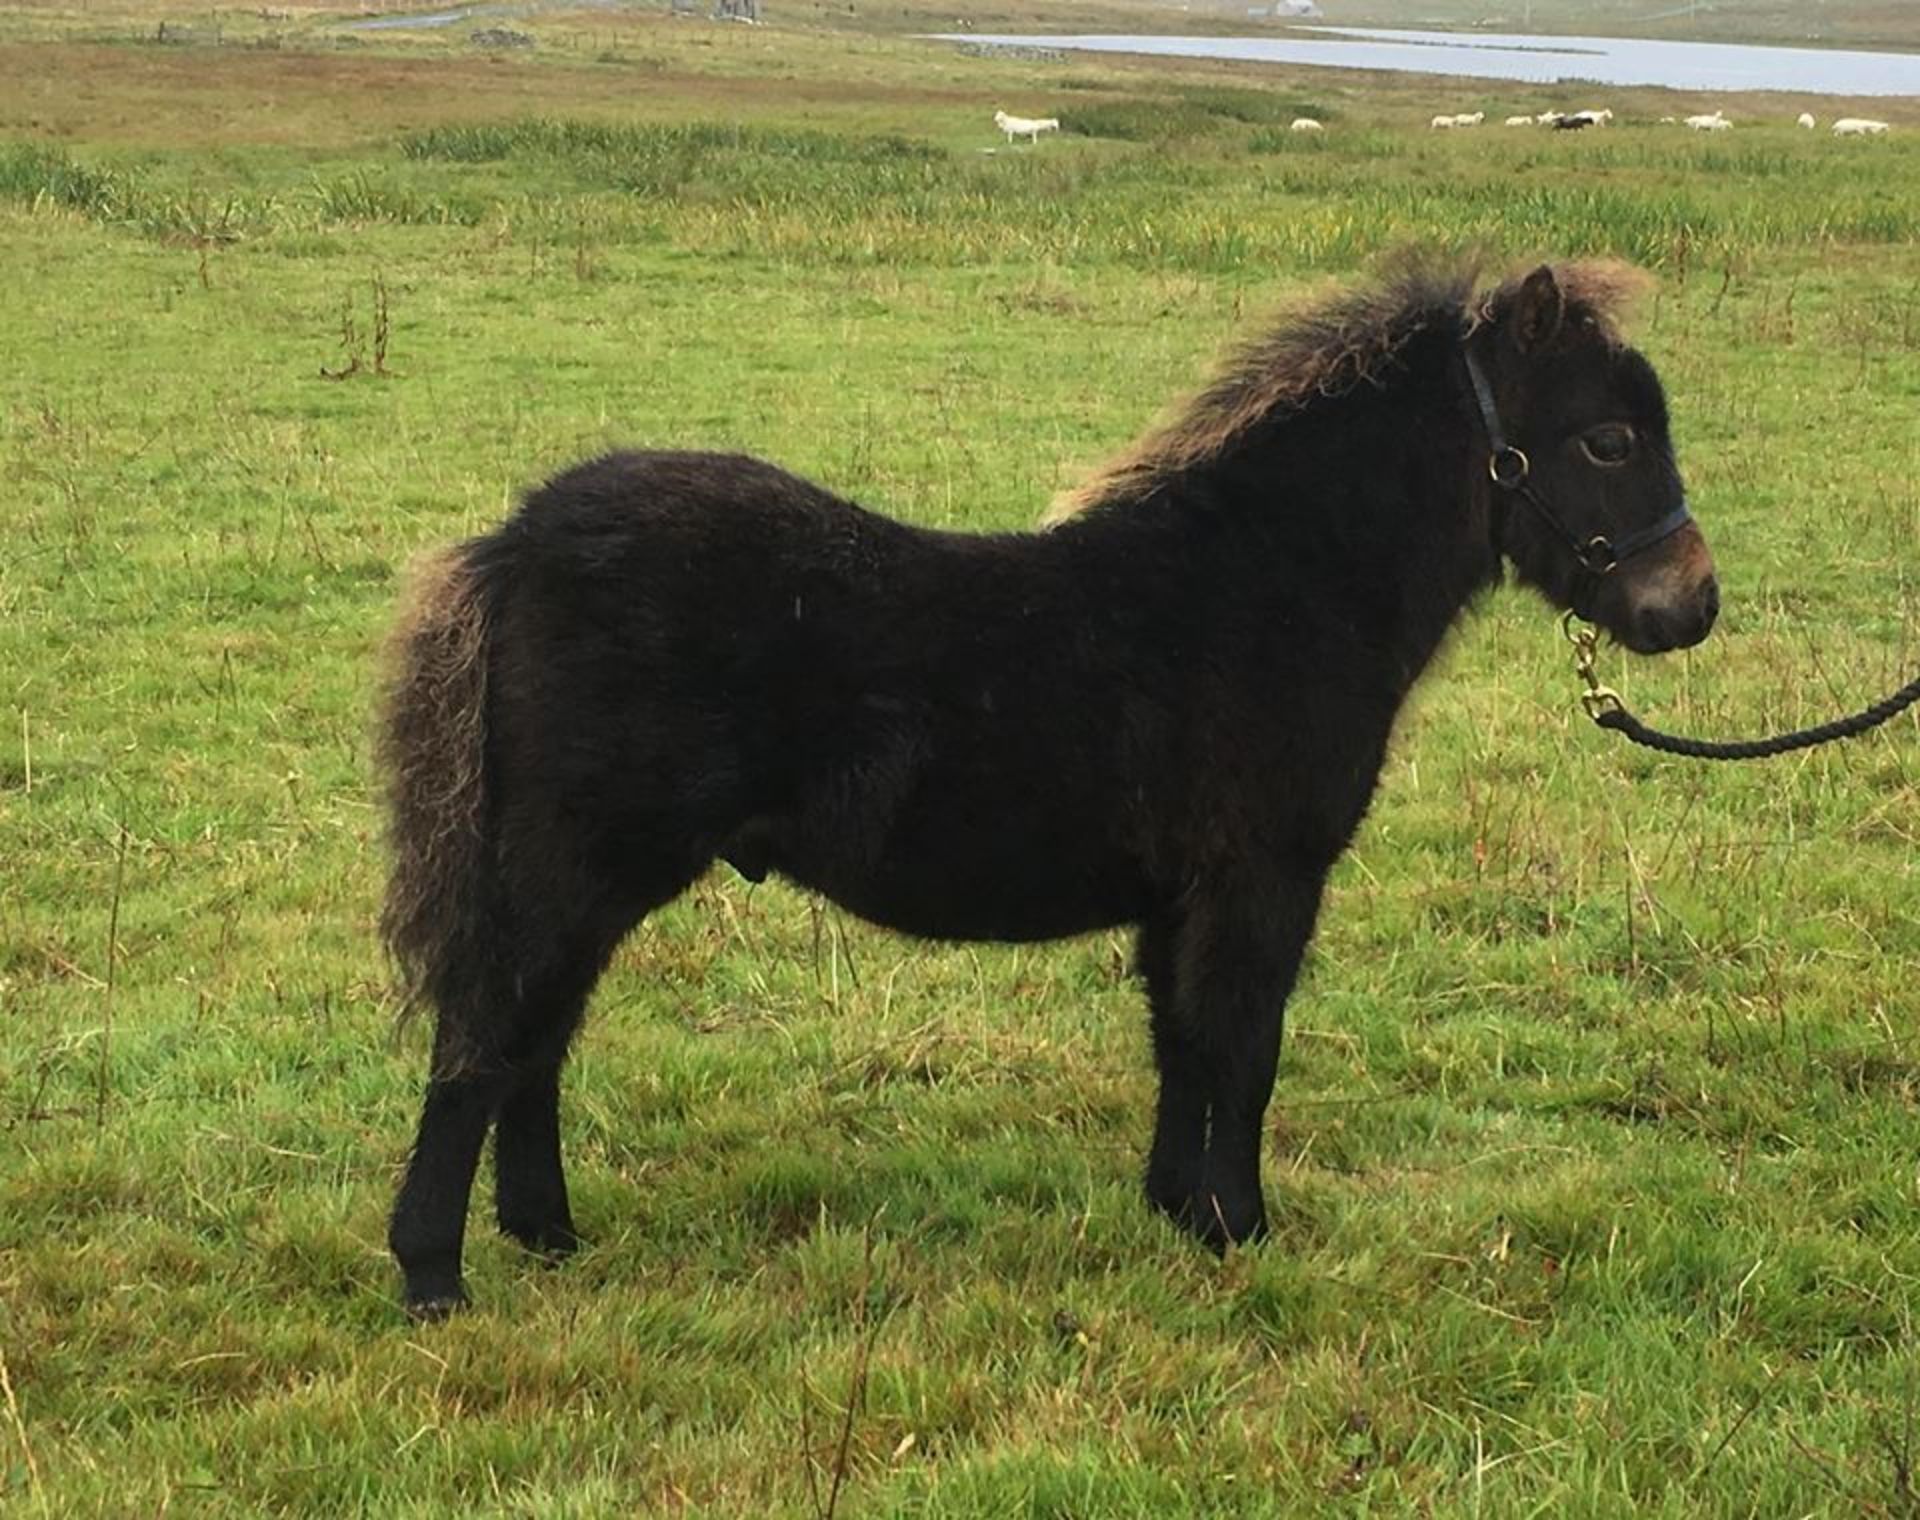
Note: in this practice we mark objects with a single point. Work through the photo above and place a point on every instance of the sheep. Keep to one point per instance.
(1305, 124)
(1520, 121)
(1858, 126)
(1716, 122)
(1470, 121)
(1441, 123)
(1025, 126)
(1547, 119)
(1805, 119)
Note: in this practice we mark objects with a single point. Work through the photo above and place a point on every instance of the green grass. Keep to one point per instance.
(1592, 1162)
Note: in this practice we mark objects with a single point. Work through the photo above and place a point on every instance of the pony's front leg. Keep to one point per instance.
(1219, 983)
(1186, 1082)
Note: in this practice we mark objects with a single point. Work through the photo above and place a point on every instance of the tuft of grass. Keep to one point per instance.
(360, 197)
(597, 143)
(1150, 121)
(49, 177)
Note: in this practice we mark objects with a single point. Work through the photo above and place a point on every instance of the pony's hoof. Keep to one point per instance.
(431, 1310)
(1217, 1223)
(1248, 1231)
(553, 1242)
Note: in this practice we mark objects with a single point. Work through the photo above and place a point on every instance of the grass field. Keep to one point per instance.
(1593, 1163)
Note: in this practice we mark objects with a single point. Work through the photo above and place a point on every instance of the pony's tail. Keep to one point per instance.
(432, 749)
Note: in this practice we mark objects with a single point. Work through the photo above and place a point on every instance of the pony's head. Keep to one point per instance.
(1587, 501)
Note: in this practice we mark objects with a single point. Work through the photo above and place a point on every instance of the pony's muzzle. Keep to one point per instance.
(1660, 628)
(1673, 603)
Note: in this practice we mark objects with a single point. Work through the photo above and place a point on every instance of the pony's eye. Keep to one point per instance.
(1608, 445)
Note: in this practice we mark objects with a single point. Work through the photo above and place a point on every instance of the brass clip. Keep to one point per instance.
(1598, 698)
(1601, 700)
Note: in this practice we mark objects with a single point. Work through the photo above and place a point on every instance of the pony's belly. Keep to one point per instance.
(1014, 920)
(978, 896)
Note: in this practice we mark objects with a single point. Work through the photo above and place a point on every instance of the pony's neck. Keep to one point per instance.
(1363, 504)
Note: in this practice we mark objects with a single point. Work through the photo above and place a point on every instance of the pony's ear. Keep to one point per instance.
(1538, 310)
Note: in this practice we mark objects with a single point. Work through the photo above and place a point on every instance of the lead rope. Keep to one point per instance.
(1604, 706)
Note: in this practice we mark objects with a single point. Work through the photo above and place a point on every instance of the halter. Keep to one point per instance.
(1509, 469)
(1597, 557)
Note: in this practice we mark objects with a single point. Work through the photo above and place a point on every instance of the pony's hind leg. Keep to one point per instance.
(428, 1227)
(497, 1051)
(530, 1182)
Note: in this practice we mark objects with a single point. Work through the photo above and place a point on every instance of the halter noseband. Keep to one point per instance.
(1509, 469)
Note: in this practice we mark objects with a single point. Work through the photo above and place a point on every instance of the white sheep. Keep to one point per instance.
(1859, 126)
(1805, 119)
(1520, 121)
(1714, 122)
(1025, 126)
(1305, 124)
(1441, 123)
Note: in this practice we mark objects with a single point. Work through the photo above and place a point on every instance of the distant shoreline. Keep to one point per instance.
(1537, 59)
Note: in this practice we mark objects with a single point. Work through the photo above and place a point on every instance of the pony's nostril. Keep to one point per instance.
(1655, 630)
(1680, 625)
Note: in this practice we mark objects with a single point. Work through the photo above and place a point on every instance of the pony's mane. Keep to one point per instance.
(1330, 349)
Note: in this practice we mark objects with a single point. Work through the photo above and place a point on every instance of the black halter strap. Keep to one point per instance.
(1510, 470)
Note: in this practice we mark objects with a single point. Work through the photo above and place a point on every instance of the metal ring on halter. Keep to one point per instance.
(1508, 466)
(1599, 558)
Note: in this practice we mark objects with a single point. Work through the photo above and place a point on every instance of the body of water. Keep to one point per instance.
(1531, 60)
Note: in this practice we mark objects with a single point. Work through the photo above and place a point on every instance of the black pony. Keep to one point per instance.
(1168, 710)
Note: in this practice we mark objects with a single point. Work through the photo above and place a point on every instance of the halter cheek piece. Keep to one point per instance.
(1509, 469)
